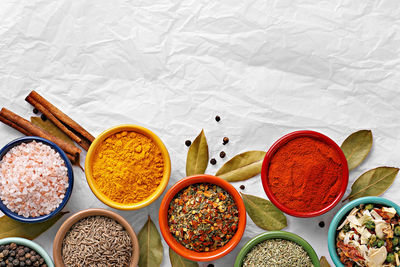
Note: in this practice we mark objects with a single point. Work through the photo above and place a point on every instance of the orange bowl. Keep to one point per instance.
(180, 249)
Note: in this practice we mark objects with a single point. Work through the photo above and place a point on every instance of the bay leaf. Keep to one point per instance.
(263, 213)
(242, 166)
(197, 157)
(12, 228)
(324, 262)
(179, 261)
(151, 249)
(373, 182)
(356, 147)
(51, 128)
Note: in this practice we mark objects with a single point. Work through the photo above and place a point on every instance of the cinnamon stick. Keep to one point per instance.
(72, 158)
(13, 125)
(34, 130)
(61, 116)
(53, 119)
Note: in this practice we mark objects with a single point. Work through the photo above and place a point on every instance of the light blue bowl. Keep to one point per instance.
(28, 243)
(27, 139)
(342, 213)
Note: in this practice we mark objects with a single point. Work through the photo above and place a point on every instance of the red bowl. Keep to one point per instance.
(282, 141)
(190, 254)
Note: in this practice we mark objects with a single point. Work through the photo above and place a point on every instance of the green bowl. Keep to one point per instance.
(28, 243)
(273, 235)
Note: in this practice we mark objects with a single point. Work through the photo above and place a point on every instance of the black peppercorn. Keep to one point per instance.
(222, 154)
(213, 161)
(321, 224)
(43, 117)
(41, 260)
(242, 187)
(225, 140)
(33, 258)
(28, 255)
(26, 249)
(15, 262)
(35, 111)
(20, 252)
(36, 264)
(21, 263)
(6, 252)
(13, 246)
(2, 264)
(12, 253)
(28, 262)
(188, 142)
(217, 118)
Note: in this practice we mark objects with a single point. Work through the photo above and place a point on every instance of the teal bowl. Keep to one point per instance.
(28, 243)
(340, 216)
(273, 235)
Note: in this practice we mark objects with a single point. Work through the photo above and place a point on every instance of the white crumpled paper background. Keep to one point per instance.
(266, 67)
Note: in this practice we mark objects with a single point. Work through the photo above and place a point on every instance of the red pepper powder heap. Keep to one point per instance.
(305, 174)
(203, 217)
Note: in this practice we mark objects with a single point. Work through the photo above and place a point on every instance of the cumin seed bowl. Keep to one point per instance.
(66, 226)
(92, 153)
(317, 137)
(179, 248)
(342, 213)
(30, 244)
(276, 235)
(70, 174)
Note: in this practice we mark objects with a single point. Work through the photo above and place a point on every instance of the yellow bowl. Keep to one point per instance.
(89, 164)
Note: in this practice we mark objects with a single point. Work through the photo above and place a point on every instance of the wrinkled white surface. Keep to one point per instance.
(266, 67)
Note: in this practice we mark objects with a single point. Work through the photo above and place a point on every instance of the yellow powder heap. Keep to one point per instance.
(128, 167)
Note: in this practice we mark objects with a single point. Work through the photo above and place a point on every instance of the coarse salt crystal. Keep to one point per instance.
(33, 179)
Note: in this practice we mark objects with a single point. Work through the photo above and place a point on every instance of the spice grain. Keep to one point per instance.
(203, 217)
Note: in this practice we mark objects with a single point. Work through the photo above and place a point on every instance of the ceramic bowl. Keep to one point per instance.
(28, 243)
(68, 192)
(273, 235)
(89, 165)
(177, 247)
(281, 142)
(58, 240)
(344, 211)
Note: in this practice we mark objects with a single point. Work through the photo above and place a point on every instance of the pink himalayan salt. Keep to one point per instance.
(33, 179)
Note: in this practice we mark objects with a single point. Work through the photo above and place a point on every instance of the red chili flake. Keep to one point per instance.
(204, 218)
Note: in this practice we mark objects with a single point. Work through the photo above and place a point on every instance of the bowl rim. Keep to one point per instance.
(343, 212)
(177, 247)
(68, 192)
(276, 235)
(89, 161)
(64, 228)
(31, 244)
(284, 140)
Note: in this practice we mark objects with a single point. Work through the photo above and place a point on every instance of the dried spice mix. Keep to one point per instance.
(276, 253)
(203, 217)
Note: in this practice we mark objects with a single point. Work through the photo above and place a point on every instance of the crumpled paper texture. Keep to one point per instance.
(266, 67)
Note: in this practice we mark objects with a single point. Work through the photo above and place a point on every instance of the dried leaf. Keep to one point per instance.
(151, 248)
(263, 213)
(356, 147)
(12, 228)
(178, 261)
(197, 157)
(324, 262)
(373, 182)
(242, 167)
(51, 128)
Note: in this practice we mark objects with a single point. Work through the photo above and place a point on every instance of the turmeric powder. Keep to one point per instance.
(128, 167)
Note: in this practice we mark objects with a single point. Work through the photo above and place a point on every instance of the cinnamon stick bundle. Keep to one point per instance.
(61, 120)
(27, 128)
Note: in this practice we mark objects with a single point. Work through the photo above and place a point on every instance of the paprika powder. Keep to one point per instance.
(305, 174)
